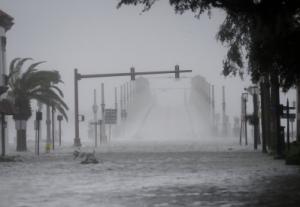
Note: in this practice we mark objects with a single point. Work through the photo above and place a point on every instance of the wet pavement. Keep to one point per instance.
(151, 175)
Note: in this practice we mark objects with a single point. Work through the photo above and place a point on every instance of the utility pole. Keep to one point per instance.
(95, 109)
(103, 134)
(116, 99)
(244, 99)
(128, 93)
(253, 90)
(209, 99)
(213, 105)
(126, 96)
(121, 103)
(224, 112)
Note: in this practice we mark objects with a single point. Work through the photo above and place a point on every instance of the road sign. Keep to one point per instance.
(285, 108)
(291, 116)
(110, 116)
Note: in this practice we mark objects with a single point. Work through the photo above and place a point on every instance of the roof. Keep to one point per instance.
(6, 20)
(7, 107)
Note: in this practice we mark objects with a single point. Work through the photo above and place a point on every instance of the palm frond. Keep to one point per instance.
(58, 90)
(42, 79)
(31, 69)
(58, 104)
(12, 65)
(50, 94)
(15, 69)
(35, 84)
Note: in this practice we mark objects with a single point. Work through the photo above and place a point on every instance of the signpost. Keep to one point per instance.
(110, 116)
(289, 117)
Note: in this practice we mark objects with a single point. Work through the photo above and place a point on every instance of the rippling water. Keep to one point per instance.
(151, 175)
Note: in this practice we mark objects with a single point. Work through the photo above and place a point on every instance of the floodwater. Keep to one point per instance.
(151, 167)
(138, 174)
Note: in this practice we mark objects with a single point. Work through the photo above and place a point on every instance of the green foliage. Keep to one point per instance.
(266, 31)
(34, 84)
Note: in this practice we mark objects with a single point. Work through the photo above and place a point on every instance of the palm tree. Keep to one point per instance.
(32, 84)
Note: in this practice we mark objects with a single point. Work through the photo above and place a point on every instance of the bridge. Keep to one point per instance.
(158, 108)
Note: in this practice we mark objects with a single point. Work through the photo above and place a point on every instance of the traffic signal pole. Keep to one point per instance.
(132, 74)
(77, 77)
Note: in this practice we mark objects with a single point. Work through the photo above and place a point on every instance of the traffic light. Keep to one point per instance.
(132, 73)
(176, 71)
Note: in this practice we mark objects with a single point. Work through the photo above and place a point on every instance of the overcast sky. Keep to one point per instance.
(95, 37)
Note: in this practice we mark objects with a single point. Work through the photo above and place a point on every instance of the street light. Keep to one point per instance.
(253, 90)
(244, 117)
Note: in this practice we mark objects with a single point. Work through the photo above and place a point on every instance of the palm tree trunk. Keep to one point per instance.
(21, 135)
(265, 112)
(277, 144)
(21, 140)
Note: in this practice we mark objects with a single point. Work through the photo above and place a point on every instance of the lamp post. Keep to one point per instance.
(95, 109)
(253, 90)
(244, 118)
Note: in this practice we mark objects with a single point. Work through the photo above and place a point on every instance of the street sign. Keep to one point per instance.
(285, 108)
(110, 116)
(291, 116)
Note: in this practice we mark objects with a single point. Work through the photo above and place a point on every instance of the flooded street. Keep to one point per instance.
(151, 174)
(148, 103)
